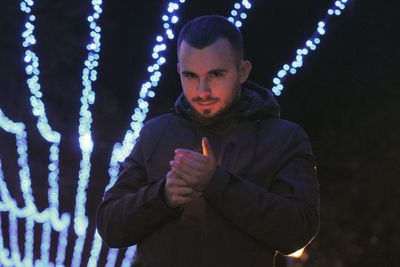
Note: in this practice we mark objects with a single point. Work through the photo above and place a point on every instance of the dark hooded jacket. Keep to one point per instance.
(263, 197)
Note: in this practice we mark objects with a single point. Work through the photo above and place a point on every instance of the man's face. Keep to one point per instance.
(211, 77)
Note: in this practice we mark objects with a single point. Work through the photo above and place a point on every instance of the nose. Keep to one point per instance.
(203, 89)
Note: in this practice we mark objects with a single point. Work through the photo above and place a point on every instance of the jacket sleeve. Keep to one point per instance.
(284, 216)
(134, 207)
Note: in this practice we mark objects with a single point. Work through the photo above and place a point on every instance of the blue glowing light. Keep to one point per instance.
(310, 45)
(89, 75)
(122, 150)
(49, 217)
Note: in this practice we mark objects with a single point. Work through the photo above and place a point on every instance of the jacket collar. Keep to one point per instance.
(255, 102)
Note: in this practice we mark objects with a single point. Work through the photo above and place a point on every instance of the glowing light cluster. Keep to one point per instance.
(122, 150)
(310, 45)
(49, 218)
(89, 75)
(238, 14)
(29, 211)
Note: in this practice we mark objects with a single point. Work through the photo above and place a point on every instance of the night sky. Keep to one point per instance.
(345, 96)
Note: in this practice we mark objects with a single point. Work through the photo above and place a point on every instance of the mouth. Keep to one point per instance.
(206, 103)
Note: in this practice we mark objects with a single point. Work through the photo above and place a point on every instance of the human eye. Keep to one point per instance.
(217, 74)
(188, 75)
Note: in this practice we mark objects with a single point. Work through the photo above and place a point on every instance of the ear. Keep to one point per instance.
(244, 70)
(178, 67)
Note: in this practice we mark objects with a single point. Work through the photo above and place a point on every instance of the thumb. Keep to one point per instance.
(207, 151)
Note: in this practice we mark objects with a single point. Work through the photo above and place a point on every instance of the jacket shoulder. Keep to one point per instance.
(283, 126)
(151, 133)
(157, 123)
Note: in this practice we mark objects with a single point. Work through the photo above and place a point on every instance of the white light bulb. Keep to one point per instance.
(174, 19)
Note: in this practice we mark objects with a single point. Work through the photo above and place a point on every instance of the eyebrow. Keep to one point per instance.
(218, 70)
(211, 71)
(186, 72)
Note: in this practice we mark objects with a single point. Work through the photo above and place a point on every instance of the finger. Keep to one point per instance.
(174, 180)
(184, 176)
(184, 168)
(207, 150)
(190, 154)
(182, 191)
(195, 165)
(177, 182)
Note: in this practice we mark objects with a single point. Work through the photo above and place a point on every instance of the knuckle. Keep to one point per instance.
(173, 199)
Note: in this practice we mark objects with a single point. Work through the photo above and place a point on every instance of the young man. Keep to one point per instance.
(220, 181)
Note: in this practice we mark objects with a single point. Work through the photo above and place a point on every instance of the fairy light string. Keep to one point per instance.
(53, 137)
(121, 150)
(8, 204)
(89, 75)
(310, 45)
(50, 216)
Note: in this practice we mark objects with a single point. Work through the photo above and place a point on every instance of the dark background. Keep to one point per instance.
(346, 97)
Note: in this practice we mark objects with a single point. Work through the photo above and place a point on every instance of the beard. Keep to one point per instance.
(206, 115)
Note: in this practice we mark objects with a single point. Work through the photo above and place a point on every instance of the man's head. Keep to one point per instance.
(211, 65)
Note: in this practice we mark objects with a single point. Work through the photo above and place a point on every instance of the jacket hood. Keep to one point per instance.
(255, 102)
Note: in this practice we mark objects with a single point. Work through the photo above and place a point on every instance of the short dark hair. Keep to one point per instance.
(203, 31)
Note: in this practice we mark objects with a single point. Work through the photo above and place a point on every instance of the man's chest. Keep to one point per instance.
(244, 152)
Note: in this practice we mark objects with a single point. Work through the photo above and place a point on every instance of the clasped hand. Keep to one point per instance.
(190, 171)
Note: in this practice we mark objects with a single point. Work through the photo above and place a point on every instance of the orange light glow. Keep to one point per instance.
(204, 145)
(297, 254)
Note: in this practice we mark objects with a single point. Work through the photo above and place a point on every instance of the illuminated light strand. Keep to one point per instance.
(89, 75)
(38, 109)
(95, 253)
(13, 230)
(310, 45)
(238, 13)
(32, 70)
(121, 151)
(86, 144)
(29, 240)
(45, 244)
(18, 129)
(47, 133)
(129, 256)
(5, 258)
(29, 211)
(112, 257)
(8, 204)
(62, 247)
